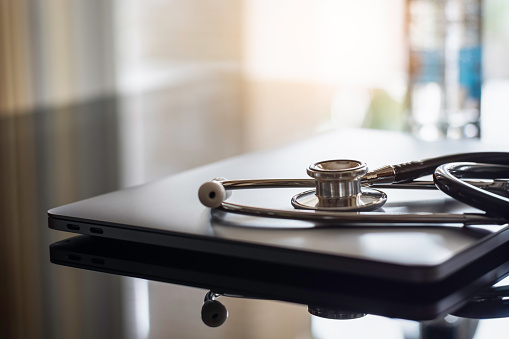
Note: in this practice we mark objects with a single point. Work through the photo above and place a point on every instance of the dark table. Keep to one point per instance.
(56, 156)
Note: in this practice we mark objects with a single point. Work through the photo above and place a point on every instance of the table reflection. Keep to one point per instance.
(57, 155)
(216, 286)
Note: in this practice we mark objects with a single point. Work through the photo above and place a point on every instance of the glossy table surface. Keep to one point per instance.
(58, 156)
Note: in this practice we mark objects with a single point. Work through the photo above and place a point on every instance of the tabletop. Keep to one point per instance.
(58, 156)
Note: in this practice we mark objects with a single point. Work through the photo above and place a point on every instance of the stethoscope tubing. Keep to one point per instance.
(242, 184)
(354, 218)
(416, 169)
(363, 218)
(447, 179)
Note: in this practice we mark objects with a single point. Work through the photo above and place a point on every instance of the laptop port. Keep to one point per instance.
(74, 257)
(96, 230)
(73, 227)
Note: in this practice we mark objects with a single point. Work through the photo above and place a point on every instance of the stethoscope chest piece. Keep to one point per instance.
(338, 188)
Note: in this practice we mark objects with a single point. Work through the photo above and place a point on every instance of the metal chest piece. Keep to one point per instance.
(338, 188)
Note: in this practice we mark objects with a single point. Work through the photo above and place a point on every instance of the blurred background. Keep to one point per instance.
(97, 95)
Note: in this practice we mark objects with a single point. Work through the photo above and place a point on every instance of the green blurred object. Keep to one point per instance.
(385, 112)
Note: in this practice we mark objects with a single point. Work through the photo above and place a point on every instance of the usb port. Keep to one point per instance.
(96, 230)
(73, 227)
(74, 257)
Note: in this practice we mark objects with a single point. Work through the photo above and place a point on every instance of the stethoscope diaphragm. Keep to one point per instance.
(339, 189)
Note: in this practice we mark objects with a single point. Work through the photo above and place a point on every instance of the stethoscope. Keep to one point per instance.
(488, 304)
(344, 191)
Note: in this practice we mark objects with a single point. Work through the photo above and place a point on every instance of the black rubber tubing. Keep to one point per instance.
(447, 179)
(415, 169)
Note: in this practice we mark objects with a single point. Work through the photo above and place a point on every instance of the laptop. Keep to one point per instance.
(168, 213)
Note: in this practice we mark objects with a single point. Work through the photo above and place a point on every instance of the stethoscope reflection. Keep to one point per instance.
(214, 313)
(462, 323)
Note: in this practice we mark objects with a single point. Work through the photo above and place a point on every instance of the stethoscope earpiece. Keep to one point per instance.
(212, 193)
(213, 313)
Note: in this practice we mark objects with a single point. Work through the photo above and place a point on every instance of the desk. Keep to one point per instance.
(49, 159)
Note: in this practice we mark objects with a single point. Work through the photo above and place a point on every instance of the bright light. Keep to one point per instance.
(369, 326)
(353, 43)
